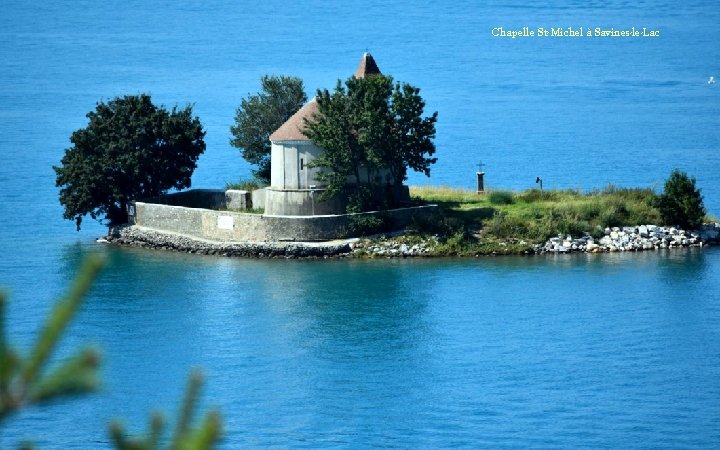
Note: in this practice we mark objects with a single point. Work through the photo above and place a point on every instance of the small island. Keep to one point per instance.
(441, 222)
(330, 182)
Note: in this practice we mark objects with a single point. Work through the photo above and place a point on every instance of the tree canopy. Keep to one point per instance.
(130, 149)
(371, 130)
(681, 202)
(261, 114)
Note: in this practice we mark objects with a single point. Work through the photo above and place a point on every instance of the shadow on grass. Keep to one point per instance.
(472, 215)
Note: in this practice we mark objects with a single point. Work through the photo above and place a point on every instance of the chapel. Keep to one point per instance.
(294, 187)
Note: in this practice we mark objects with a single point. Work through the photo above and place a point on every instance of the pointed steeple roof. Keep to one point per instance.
(367, 66)
(292, 129)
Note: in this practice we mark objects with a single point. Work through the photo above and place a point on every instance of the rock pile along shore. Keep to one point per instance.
(643, 237)
(393, 249)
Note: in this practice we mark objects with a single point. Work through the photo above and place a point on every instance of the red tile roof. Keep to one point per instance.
(291, 130)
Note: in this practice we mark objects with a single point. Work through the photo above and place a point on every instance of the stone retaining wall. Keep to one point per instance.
(137, 236)
(242, 227)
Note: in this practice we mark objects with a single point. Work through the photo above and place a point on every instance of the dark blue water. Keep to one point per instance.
(610, 351)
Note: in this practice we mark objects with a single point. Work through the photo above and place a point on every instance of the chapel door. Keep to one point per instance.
(292, 168)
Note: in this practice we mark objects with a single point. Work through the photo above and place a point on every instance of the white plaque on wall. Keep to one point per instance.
(225, 222)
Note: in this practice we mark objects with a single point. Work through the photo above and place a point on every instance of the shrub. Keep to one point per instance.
(504, 226)
(359, 200)
(681, 202)
(531, 195)
(501, 198)
(438, 224)
(615, 214)
(459, 243)
(363, 225)
(246, 185)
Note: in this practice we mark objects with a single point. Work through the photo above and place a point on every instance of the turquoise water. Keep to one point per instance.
(609, 351)
(591, 351)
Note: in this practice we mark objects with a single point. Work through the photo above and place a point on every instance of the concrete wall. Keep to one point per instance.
(236, 199)
(235, 226)
(289, 165)
(258, 198)
(306, 202)
(200, 223)
(299, 202)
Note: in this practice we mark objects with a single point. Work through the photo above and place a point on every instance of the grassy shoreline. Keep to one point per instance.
(509, 222)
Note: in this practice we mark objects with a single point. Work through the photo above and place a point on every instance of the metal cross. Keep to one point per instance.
(480, 166)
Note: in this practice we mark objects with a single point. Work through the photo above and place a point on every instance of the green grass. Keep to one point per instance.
(245, 185)
(246, 211)
(510, 222)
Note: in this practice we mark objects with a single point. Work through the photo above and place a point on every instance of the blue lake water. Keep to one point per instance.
(589, 351)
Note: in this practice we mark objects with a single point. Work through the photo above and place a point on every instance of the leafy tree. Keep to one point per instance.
(369, 127)
(681, 202)
(130, 149)
(261, 114)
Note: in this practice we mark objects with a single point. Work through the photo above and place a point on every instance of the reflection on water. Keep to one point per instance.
(616, 350)
(588, 350)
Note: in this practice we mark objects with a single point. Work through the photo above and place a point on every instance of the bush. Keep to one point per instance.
(531, 195)
(459, 243)
(364, 225)
(681, 202)
(246, 185)
(615, 214)
(438, 224)
(501, 198)
(504, 226)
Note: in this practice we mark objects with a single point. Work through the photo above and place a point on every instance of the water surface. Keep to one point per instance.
(580, 351)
